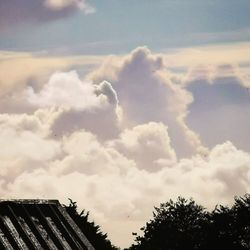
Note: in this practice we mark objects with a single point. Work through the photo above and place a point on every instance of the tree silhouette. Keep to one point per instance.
(181, 225)
(92, 231)
(184, 225)
(229, 228)
(175, 225)
(220, 230)
(241, 212)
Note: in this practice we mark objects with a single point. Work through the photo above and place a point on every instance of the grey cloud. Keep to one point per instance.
(76, 104)
(221, 107)
(106, 89)
(14, 12)
(80, 104)
(102, 122)
(148, 145)
(147, 93)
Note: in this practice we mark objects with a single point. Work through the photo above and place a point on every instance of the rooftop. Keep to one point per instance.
(39, 224)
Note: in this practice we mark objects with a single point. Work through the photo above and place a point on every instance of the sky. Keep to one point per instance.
(121, 105)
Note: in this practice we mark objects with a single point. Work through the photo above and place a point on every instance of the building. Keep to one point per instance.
(39, 224)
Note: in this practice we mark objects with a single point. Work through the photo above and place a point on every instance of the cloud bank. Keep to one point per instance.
(119, 140)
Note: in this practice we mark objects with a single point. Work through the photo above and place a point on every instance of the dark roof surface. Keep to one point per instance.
(39, 224)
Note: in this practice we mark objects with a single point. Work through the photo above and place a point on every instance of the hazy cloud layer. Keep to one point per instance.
(14, 12)
(118, 141)
(210, 55)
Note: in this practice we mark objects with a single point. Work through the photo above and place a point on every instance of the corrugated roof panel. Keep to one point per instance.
(39, 224)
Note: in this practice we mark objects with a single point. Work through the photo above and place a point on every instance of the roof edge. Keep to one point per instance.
(31, 201)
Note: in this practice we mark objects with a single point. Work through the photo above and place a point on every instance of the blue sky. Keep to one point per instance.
(118, 26)
(123, 104)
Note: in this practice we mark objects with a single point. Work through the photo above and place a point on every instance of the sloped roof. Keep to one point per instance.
(39, 224)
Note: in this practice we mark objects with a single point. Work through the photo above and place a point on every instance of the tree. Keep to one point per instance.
(184, 225)
(220, 232)
(229, 228)
(241, 212)
(176, 226)
(92, 231)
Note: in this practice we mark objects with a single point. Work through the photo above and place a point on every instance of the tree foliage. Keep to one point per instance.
(92, 231)
(185, 225)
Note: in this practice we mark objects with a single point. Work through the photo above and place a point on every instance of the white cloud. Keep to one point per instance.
(117, 180)
(25, 142)
(112, 145)
(24, 145)
(148, 144)
(114, 188)
(67, 90)
(61, 4)
(147, 92)
(75, 104)
(34, 70)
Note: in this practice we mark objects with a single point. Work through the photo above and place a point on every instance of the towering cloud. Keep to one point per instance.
(147, 92)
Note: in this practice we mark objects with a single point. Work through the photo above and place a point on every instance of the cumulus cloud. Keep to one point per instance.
(111, 179)
(147, 92)
(148, 144)
(32, 70)
(14, 12)
(66, 90)
(119, 140)
(79, 104)
(24, 134)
